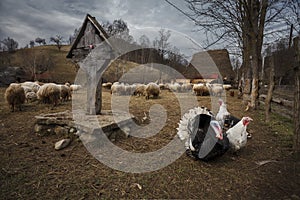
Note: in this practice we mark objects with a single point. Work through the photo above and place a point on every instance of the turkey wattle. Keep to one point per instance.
(202, 134)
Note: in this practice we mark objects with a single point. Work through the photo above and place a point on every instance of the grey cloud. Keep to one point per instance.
(25, 20)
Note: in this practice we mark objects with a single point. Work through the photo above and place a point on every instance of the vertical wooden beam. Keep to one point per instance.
(98, 96)
(270, 91)
(297, 96)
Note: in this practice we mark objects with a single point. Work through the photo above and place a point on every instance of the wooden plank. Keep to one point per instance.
(280, 101)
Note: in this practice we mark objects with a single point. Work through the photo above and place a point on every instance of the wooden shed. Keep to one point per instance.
(90, 34)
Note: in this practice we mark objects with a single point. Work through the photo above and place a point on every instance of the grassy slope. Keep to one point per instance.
(63, 69)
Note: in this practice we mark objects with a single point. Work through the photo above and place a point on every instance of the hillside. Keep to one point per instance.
(51, 65)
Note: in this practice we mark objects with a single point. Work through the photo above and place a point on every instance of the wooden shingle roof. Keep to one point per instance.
(212, 62)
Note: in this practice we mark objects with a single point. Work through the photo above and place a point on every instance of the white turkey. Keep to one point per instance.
(237, 135)
(202, 134)
(225, 119)
(222, 113)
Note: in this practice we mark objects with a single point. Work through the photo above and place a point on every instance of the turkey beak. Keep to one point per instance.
(246, 121)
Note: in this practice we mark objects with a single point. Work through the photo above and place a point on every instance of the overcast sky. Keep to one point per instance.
(25, 20)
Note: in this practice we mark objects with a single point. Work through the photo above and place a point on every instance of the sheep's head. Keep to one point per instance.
(246, 120)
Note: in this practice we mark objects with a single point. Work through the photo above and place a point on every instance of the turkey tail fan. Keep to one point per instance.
(185, 129)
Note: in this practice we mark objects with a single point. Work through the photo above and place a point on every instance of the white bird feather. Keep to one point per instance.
(187, 118)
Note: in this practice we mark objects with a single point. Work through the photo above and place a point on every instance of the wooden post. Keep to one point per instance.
(98, 97)
(297, 96)
(95, 64)
(270, 91)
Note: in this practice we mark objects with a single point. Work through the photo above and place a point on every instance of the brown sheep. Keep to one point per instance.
(15, 96)
(152, 89)
(200, 89)
(65, 93)
(139, 90)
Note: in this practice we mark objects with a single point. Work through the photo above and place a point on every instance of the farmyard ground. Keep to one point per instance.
(30, 168)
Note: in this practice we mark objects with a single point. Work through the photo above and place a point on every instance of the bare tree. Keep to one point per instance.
(118, 29)
(161, 42)
(40, 41)
(145, 43)
(9, 44)
(242, 23)
(162, 45)
(57, 40)
(292, 15)
(31, 43)
(36, 62)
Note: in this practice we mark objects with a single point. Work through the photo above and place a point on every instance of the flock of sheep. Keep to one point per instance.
(153, 89)
(17, 93)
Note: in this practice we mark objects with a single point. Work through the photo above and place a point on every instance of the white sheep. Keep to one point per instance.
(75, 87)
(152, 89)
(186, 87)
(130, 89)
(26, 88)
(30, 96)
(175, 87)
(216, 89)
(227, 86)
(162, 86)
(67, 84)
(200, 89)
(49, 93)
(34, 86)
(15, 96)
(107, 85)
(118, 88)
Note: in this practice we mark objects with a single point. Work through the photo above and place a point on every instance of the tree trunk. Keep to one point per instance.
(270, 92)
(297, 96)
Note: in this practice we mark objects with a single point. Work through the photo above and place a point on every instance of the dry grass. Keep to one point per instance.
(30, 168)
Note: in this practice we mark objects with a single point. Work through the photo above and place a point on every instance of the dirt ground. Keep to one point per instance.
(30, 168)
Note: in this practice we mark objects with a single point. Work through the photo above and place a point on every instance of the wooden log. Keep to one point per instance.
(263, 96)
(287, 103)
(276, 100)
(279, 101)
